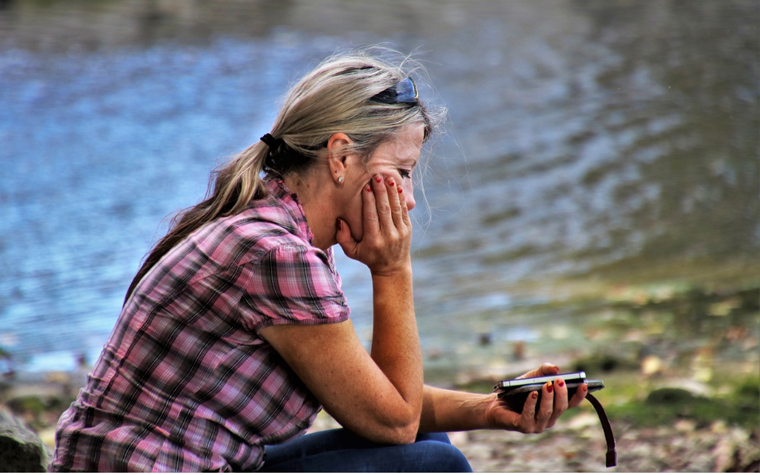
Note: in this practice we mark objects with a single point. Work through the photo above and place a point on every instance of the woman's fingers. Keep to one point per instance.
(535, 416)
(546, 369)
(527, 420)
(546, 407)
(404, 207)
(386, 239)
(388, 207)
(397, 204)
(579, 396)
(382, 207)
(369, 210)
(560, 401)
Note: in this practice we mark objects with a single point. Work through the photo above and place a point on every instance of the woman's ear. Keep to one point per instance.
(337, 156)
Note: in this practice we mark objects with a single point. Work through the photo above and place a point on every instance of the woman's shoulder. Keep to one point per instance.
(251, 233)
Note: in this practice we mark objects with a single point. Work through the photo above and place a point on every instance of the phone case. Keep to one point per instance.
(514, 398)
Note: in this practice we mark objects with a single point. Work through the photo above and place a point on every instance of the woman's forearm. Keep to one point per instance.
(376, 395)
(448, 411)
(395, 341)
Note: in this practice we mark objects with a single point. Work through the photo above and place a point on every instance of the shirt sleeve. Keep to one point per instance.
(292, 285)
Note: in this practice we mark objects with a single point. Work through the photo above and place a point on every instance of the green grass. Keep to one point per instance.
(664, 406)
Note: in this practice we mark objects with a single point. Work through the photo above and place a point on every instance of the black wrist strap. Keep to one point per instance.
(608, 435)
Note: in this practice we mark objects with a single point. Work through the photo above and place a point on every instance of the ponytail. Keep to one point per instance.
(334, 97)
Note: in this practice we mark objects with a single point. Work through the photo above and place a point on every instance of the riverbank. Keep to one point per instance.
(577, 444)
(680, 367)
(691, 428)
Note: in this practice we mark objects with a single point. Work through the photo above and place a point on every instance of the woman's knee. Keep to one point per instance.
(440, 456)
(434, 436)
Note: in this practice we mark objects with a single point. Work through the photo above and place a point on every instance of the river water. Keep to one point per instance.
(597, 151)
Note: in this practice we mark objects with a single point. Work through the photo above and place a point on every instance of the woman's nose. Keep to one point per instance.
(409, 197)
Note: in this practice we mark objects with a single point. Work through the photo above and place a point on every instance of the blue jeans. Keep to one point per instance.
(340, 450)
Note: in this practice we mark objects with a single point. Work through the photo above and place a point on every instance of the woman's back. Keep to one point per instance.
(185, 369)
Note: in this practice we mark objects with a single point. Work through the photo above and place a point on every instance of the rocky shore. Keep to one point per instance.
(577, 444)
(668, 431)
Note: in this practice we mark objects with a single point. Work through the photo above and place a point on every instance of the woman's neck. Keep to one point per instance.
(315, 201)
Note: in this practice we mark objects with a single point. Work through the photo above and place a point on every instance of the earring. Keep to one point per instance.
(340, 179)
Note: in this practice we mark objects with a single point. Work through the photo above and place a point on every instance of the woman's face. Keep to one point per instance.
(395, 158)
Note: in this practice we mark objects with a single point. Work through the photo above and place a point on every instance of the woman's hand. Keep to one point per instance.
(385, 245)
(378, 394)
(536, 417)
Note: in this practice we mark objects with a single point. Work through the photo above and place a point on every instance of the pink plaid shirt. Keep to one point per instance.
(185, 382)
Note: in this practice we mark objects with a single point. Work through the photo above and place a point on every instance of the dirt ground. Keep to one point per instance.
(577, 445)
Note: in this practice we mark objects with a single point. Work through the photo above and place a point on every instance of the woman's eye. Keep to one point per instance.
(405, 173)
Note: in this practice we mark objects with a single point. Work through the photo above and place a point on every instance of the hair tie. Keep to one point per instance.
(280, 157)
(274, 160)
(270, 141)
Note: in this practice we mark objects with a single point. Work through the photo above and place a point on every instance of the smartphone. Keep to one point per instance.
(515, 383)
(514, 392)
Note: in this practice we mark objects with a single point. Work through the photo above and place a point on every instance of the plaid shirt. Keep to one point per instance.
(185, 382)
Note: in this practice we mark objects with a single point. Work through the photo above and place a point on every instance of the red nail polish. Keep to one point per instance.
(560, 383)
(339, 224)
(379, 179)
(550, 388)
(534, 395)
(369, 189)
(400, 190)
(391, 183)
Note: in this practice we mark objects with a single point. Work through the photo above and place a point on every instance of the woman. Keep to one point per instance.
(235, 332)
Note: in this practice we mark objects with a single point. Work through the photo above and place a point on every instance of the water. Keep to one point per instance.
(594, 149)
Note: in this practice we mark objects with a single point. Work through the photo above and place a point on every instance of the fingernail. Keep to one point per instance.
(560, 382)
(550, 388)
(338, 224)
(369, 189)
(378, 178)
(400, 190)
(534, 394)
(391, 182)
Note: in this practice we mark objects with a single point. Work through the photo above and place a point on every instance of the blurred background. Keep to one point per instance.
(594, 199)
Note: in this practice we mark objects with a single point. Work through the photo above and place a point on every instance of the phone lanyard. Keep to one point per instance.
(608, 435)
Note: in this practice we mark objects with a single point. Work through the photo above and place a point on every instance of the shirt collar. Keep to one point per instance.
(280, 191)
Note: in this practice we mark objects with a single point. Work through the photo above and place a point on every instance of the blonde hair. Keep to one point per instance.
(333, 97)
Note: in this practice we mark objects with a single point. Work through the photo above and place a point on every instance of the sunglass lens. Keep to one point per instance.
(406, 91)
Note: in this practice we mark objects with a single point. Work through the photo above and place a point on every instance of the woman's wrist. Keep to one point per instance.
(448, 410)
(400, 270)
(396, 285)
(490, 400)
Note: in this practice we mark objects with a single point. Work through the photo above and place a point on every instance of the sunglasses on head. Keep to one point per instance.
(404, 92)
